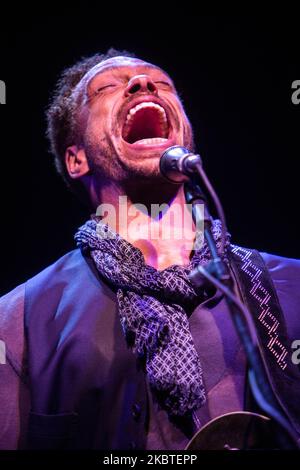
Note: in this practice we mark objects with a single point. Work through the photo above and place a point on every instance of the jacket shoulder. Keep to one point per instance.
(68, 264)
(11, 321)
(281, 266)
(285, 274)
(12, 304)
(69, 273)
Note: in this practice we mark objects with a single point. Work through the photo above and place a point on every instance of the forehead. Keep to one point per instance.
(117, 65)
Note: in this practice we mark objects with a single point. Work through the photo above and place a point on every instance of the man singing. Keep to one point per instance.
(111, 347)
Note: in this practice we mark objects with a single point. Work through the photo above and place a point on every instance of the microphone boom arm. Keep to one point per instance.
(218, 274)
(179, 165)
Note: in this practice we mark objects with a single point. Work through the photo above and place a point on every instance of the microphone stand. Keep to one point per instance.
(217, 273)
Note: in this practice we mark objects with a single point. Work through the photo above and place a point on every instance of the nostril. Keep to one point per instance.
(140, 83)
(151, 87)
(134, 88)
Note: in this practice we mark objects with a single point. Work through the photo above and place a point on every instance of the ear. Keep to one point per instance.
(76, 162)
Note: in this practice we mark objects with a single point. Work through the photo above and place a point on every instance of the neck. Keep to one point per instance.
(152, 217)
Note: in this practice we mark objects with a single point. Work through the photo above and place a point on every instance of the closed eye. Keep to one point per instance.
(98, 91)
(103, 88)
(167, 84)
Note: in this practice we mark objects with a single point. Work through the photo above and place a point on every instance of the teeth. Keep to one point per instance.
(153, 141)
(149, 104)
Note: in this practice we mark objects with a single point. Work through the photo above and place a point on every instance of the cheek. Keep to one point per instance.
(183, 119)
(99, 118)
(188, 133)
(95, 129)
(187, 124)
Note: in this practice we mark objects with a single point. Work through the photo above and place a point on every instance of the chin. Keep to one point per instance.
(145, 169)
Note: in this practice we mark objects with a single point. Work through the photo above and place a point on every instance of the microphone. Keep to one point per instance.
(177, 163)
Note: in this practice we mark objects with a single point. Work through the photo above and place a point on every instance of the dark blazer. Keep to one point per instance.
(86, 389)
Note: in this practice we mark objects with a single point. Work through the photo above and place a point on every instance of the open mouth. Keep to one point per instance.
(147, 124)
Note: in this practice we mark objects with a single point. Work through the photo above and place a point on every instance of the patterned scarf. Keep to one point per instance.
(154, 307)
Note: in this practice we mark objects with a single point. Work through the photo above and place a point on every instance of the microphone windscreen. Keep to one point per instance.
(170, 166)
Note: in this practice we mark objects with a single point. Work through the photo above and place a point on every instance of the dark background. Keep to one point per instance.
(234, 74)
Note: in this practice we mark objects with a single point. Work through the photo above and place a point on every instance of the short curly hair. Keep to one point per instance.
(61, 114)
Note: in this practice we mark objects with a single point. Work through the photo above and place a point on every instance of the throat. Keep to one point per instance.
(164, 233)
(163, 255)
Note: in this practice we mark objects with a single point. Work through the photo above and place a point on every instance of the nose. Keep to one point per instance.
(140, 84)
